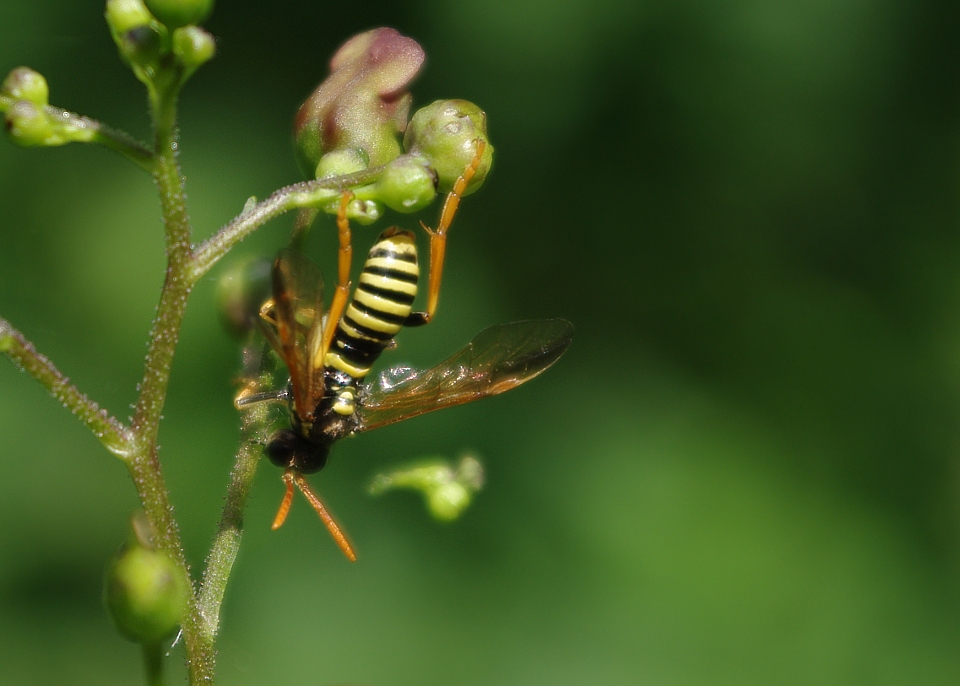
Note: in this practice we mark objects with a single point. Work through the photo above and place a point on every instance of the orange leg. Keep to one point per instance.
(332, 527)
(341, 295)
(438, 236)
(287, 500)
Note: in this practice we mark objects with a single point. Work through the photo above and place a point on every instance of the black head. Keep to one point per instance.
(287, 449)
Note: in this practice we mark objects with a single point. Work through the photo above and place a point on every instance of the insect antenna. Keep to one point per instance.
(291, 477)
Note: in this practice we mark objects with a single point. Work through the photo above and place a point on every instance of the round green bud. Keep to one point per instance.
(176, 13)
(145, 594)
(342, 161)
(448, 501)
(23, 83)
(123, 15)
(141, 44)
(363, 212)
(193, 46)
(408, 184)
(447, 133)
(241, 290)
(28, 125)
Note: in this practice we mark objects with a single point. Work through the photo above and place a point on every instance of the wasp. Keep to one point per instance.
(329, 356)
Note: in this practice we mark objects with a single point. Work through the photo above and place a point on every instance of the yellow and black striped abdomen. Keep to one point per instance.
(381, 304)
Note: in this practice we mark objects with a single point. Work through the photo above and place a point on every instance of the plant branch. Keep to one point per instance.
(126, 145)
(177, 284)
(76, 128)
(303, 194)
(86, 130)
(145, 465)
(226, 543)
(153, 661)
(111, 433)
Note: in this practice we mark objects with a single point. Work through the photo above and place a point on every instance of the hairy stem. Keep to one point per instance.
(80, 129)
(226, 543)
(145, 465)
(114, 435)
(86, 130)
(304, 194)
(126, 145)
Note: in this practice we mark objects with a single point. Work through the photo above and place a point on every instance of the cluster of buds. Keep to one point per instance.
(160, 38)
(354, 119)
(30, 121)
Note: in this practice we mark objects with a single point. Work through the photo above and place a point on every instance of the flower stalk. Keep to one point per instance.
(362, 153)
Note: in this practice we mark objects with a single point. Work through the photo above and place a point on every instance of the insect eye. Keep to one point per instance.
(282, 447)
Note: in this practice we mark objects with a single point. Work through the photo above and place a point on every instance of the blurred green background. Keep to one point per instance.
(745, 470)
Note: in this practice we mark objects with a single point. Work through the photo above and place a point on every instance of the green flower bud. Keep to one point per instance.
(123, 15)
(139, 37)
(145, 594)
(448, 501)
(241, 290)
(447, 492)
(176, 13)
(342, 161)
(363, 103)
(446, 133)
(23, 83)
(141, 45)
(193, 46)
(407, 184)
(361, 211)
(28, 125)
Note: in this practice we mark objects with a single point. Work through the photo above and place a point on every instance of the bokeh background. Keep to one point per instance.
(746, 470)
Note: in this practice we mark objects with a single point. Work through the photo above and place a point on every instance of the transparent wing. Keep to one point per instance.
(297, 318)
(498, 359)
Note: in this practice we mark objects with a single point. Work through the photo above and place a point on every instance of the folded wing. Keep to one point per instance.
(497, 359)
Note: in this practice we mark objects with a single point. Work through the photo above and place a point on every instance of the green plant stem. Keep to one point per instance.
(92, 131)
(115, 436)
(226, 543)
(153, 661)
(298, 195)
(126, 145)
(144, 464)
(86, 130)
